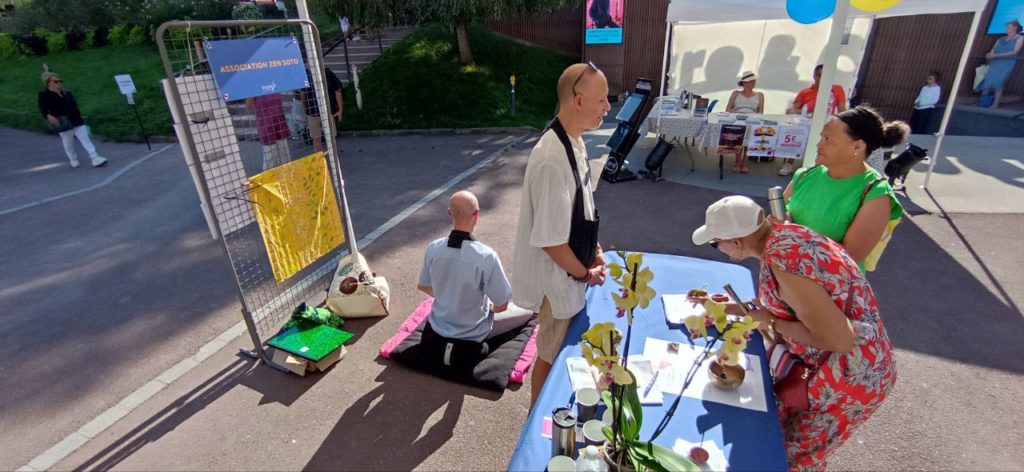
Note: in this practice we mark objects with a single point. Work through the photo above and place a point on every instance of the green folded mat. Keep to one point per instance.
(309, 339)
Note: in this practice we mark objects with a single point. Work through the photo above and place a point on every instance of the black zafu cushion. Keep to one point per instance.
(485, 365)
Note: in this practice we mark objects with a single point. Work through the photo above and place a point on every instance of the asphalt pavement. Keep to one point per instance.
(104, 290)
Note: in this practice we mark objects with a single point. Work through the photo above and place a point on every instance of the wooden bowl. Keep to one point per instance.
(725, 377)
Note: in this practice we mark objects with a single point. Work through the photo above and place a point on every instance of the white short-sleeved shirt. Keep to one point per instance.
(464, 281)
(545, 218)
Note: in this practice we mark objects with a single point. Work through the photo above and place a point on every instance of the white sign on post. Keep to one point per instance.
(127, 86)
(792, 141)
(124, 82)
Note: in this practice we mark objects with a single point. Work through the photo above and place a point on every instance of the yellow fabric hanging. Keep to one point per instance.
(297, 212)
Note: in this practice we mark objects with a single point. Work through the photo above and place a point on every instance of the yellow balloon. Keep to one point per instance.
(874, 5)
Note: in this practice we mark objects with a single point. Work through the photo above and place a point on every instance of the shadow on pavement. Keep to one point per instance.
(392, 426)
(274, 385)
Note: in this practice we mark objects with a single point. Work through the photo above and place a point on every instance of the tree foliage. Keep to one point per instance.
(368, 13)
(453, 13)
(458, 14)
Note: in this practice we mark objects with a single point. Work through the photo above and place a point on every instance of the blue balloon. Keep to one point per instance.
(810, 11)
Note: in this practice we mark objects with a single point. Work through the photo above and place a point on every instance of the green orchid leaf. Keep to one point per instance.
(609, 401)
(632, 407)
(660, 458)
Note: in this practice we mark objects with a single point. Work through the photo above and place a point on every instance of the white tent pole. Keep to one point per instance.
(664, 70)
(828, 75)
(951, 100)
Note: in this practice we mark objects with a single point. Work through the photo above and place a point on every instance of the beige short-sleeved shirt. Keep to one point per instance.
(545, 217)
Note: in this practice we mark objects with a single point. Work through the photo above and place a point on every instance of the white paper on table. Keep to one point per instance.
(678, 307)
(716, 458)
(675, 364)
(644, 373)
(579, 373)
(669, 363)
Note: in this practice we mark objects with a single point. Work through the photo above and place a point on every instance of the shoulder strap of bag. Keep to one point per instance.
(556, 126)
(867, 189)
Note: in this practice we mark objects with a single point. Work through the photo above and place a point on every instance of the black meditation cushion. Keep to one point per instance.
(485, 364)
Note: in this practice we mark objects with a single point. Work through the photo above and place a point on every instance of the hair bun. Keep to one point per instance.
(894, 133)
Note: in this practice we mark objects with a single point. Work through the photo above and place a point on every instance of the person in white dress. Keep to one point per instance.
(745, 101)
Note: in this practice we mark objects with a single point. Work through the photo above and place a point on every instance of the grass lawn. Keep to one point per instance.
(420, 83)
(90, 75)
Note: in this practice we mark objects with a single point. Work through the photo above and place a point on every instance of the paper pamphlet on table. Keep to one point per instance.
(643, 370)
(579, 373)
(717, 461)
(673, 360)
(678, 307)
(669, 106)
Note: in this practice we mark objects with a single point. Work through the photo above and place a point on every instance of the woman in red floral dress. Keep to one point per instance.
(815, 300)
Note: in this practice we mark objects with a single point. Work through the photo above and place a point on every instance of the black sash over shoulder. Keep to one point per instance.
(583, 232)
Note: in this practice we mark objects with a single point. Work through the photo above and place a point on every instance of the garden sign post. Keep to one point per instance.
(127, 86)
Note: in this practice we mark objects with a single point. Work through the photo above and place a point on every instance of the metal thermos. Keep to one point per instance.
(776, 203)
(563, 432)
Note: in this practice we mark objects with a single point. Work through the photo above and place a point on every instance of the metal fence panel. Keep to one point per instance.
(229, 142)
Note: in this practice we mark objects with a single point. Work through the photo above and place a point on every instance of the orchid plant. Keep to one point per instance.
(600, 345)
(734, 333)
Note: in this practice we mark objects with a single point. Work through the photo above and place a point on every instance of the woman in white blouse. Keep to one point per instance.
(924, 104)
(745, 101)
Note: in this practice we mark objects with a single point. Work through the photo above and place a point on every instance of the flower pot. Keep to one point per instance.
(725, 377)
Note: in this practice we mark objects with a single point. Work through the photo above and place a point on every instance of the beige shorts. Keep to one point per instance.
(551, 333)
(316, 130)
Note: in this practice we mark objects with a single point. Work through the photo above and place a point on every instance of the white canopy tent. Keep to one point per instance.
(726, 11)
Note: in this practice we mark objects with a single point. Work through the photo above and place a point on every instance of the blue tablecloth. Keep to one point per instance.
(751, 440)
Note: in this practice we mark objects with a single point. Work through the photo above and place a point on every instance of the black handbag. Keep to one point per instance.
(582, 232)
(64, 124)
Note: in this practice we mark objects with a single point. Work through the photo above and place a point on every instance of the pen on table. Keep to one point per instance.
(654, 380)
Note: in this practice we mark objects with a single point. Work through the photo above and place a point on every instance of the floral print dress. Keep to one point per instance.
(847, 388)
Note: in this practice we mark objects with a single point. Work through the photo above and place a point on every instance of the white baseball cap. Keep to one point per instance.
(731, 217)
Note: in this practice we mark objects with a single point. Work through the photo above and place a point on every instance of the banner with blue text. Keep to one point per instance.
(252, 67)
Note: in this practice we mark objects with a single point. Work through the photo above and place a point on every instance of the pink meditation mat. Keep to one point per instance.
(421, 312)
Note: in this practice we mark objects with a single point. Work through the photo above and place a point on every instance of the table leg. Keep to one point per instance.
(690, 155)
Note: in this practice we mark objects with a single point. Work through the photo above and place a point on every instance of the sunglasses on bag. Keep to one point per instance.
(590, 66)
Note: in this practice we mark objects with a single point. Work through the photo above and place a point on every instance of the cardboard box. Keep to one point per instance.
(329, 359)
(296, 365)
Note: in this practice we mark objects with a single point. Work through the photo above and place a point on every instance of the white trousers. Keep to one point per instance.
(275, 154)
(82, 133)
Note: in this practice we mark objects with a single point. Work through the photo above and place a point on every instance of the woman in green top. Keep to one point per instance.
(842, 197)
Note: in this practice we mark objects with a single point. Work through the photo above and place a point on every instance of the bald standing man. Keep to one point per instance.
(471, 293)
(557, 207)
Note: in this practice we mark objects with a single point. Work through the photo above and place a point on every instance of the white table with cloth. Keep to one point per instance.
(676, 125)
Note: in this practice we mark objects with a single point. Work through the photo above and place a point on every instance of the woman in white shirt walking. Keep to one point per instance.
(925, 103)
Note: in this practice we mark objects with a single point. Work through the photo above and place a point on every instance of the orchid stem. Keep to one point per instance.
(686, 383)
